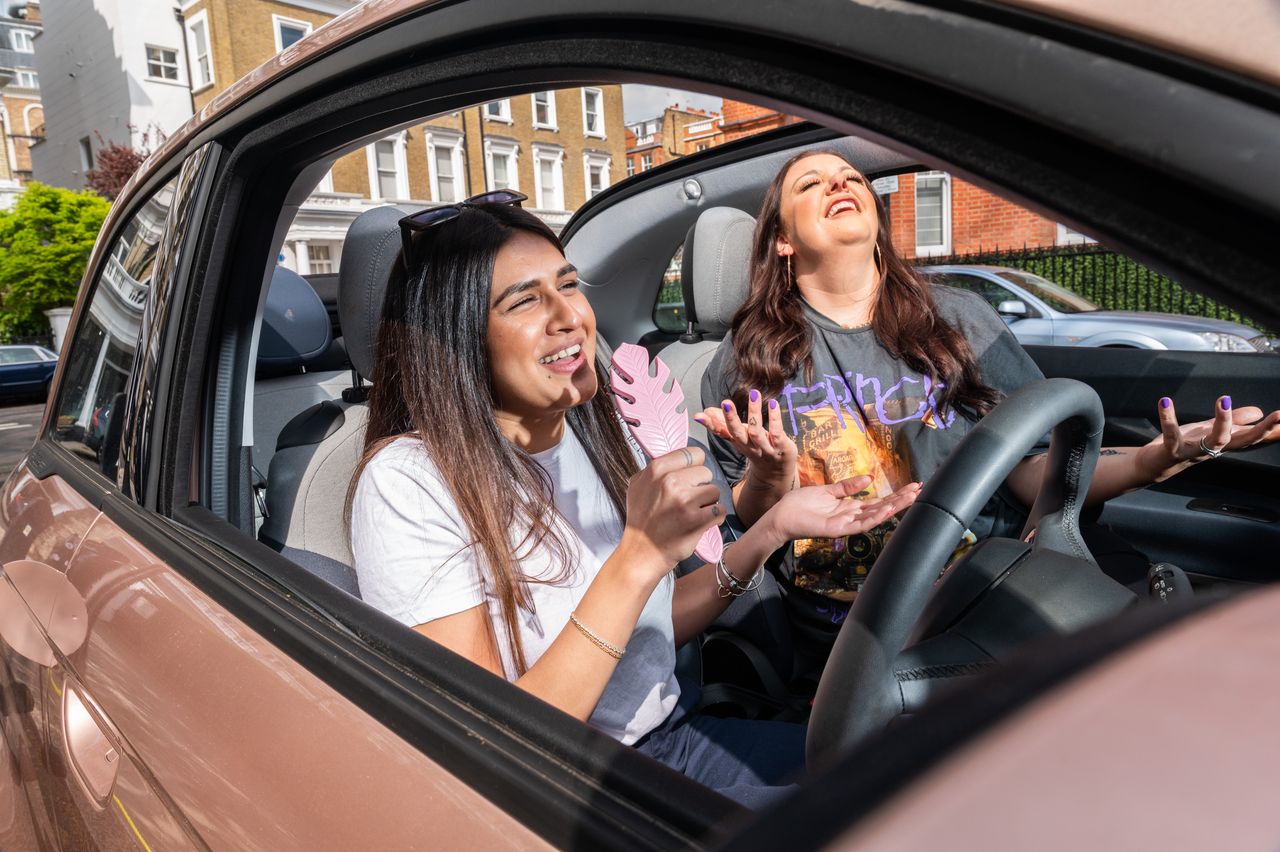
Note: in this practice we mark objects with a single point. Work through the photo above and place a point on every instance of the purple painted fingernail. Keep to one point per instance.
(773, 405)
(728, 408)
(699, 419)
(1165, 402)
(1226, 403)
(755, 395)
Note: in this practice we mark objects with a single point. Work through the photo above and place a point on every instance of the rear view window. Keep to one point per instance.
(668, 313)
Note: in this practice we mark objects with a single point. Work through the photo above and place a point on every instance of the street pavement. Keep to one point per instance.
(18, 426)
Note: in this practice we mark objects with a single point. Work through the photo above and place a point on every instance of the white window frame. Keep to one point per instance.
(631, 166)
(86, 153)
(452, 140)
(177, 68)
(1068, 236)
(28, 41)
(550, 123)
(278, 21)
(494, 148)
(32, 80)
(944, 248)
(599, 93)
(399, 145)
(646, 161)
(335, 254)
(326, 182)
(605, 162)
(504, 111)
(548, 198)
(200, 21)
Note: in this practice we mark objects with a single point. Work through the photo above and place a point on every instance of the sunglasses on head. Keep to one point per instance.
(415, 223)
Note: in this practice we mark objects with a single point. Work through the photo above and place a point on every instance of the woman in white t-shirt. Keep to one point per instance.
(500, 510)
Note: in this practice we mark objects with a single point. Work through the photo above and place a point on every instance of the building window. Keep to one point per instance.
(23, 42)
(593, 112)
(544, 110)
(596, 172)
(162, 63)
(320, 257)
(631, 166)
(498, 110)
(444, 159)
(702, 146)
(500, 165)
(289, 32)
(646, 162)
(86, 154)
(198, 45)
(27, 79)
(548, 173)
(1068, 236)
(388, 171)
(933, 214)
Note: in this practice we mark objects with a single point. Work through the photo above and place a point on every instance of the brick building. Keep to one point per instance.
(675, 133)
(933, 214)
(558, 147)
(21, 111)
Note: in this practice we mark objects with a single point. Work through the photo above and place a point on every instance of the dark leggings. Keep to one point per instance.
(752, 762)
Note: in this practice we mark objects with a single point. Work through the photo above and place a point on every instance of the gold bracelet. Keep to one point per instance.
(612, 650)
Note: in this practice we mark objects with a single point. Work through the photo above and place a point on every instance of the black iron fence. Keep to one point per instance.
(1109, 280)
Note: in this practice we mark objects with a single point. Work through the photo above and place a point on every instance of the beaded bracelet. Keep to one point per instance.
(610, 649)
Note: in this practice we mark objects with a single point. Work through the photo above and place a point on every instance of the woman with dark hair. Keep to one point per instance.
(500, 510)
(869, 370)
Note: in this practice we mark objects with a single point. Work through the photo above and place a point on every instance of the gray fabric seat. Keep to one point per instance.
(714, 277)
(318, 450)
(754, 631)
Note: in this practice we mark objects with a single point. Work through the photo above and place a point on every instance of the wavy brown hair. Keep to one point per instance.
(432, 381)
(772, 340)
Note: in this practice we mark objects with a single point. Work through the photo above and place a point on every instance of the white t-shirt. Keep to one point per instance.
(415, 562)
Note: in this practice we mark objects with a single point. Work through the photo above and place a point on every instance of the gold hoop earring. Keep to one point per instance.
(878, 256)
(790, 279)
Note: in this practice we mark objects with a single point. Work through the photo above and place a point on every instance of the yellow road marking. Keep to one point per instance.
(129, 820)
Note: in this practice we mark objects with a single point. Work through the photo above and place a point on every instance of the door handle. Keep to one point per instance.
(93, 755)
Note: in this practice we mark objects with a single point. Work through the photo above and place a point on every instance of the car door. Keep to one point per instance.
(1220, 519)
(165, 720)
(1034, 327)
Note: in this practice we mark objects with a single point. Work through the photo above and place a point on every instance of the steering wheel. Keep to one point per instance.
(871, 675)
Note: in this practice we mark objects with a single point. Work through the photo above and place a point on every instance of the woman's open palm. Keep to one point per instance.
(832, 511)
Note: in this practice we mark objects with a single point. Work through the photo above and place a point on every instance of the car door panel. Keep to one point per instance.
(247, 747)
(1218, 519)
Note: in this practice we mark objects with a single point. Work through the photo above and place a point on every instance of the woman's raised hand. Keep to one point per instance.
(831, 511)
(769, 451)
(1230, 429)
(669, 505)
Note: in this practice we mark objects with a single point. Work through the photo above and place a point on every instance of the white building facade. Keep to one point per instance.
(110, 71)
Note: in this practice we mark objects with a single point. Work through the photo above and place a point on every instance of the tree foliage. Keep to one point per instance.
(44, 246)
(115, 164)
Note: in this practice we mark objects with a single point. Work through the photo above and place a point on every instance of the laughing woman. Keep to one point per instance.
(500, 511)
(869, 370)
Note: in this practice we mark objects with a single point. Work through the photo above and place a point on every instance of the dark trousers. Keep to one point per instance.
(750, 761)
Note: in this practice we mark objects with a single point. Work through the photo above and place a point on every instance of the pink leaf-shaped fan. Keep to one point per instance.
(655, 418)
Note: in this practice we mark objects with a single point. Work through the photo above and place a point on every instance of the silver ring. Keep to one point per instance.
(688, 456)
(1211, 453)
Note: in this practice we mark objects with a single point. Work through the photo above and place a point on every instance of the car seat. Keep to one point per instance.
(753, 636)
(318, 450)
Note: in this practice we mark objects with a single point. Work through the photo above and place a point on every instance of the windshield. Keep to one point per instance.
(1058, 298)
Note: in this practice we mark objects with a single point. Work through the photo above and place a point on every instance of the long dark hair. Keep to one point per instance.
(772, 339)
(432, 381)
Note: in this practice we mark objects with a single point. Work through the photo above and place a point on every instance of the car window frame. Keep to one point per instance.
(222, 531)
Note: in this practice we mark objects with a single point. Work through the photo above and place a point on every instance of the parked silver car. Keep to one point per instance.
(1041, 312)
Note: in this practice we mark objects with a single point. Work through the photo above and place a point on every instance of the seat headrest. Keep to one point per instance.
(715, 270)
(371, 250)
(295, 325)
